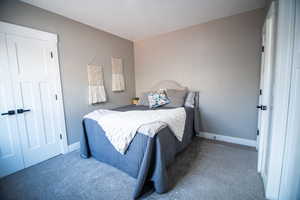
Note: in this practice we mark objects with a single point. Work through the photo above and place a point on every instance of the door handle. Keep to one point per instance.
(10, 112)
(20, 111)
(262, 107)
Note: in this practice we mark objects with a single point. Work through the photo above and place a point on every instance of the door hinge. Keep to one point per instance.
(51, 54)
(257, 132)
(60, 136)
(263, 49)
(260, 92)
(56, 97)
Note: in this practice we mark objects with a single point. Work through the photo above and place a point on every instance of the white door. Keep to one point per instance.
(261, 85)
(34, 76)
(11, 159)
(265, 102)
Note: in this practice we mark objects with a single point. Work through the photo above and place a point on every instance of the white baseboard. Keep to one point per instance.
(211, 136)
(74, 146)
(223, 138)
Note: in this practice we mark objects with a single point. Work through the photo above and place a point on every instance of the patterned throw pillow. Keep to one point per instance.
(157, 99)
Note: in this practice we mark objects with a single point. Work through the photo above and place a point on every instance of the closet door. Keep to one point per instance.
(34, 76)
(11, 159)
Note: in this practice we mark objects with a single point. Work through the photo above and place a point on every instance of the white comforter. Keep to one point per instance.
(121, 127)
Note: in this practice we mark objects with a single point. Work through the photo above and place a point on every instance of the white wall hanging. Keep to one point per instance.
(96, 84)
(118, 84)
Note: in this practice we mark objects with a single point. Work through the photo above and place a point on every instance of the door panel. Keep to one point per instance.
(30, 119)
(10, 150)
(34, 79)
(47, 111)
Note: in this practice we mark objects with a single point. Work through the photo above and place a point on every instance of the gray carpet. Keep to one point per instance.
(206, 170)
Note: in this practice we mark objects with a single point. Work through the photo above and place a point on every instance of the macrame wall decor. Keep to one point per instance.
(96, 84)
(118, 84)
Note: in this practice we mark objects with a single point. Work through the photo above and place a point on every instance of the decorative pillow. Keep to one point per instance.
(190, 100)
(176, 97)
(143, 101)
(157, 99)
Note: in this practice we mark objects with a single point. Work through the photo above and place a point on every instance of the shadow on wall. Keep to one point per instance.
(198, 116)
(200, 122)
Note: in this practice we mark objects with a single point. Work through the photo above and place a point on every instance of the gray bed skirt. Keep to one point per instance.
(146, 158)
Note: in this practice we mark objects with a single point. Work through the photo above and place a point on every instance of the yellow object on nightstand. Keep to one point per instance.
(135, 100)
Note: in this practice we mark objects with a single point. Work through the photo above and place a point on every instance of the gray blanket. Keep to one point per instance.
(146, 159)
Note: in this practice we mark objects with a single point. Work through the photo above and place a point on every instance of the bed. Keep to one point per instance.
(147, 158)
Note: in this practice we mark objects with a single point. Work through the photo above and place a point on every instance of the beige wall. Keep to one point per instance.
(78, 44)
(221, 59)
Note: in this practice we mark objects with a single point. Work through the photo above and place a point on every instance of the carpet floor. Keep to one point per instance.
(206, 170)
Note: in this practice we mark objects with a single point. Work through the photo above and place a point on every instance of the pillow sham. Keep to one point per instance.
(190, 100)
(143, 101)
(157, 99)
(176, 97)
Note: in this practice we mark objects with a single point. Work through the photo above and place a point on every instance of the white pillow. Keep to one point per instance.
(190, 100)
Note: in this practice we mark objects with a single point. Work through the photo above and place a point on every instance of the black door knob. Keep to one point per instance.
(20, 111)
(10, 112)
(262, 107)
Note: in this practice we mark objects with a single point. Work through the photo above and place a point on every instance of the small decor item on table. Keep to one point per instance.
(118, 84)
(96, 84)
(157, 99)
(135, 100)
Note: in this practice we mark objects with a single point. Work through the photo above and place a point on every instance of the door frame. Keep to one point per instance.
(282, 89)
(22, 31)
(289, 184)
